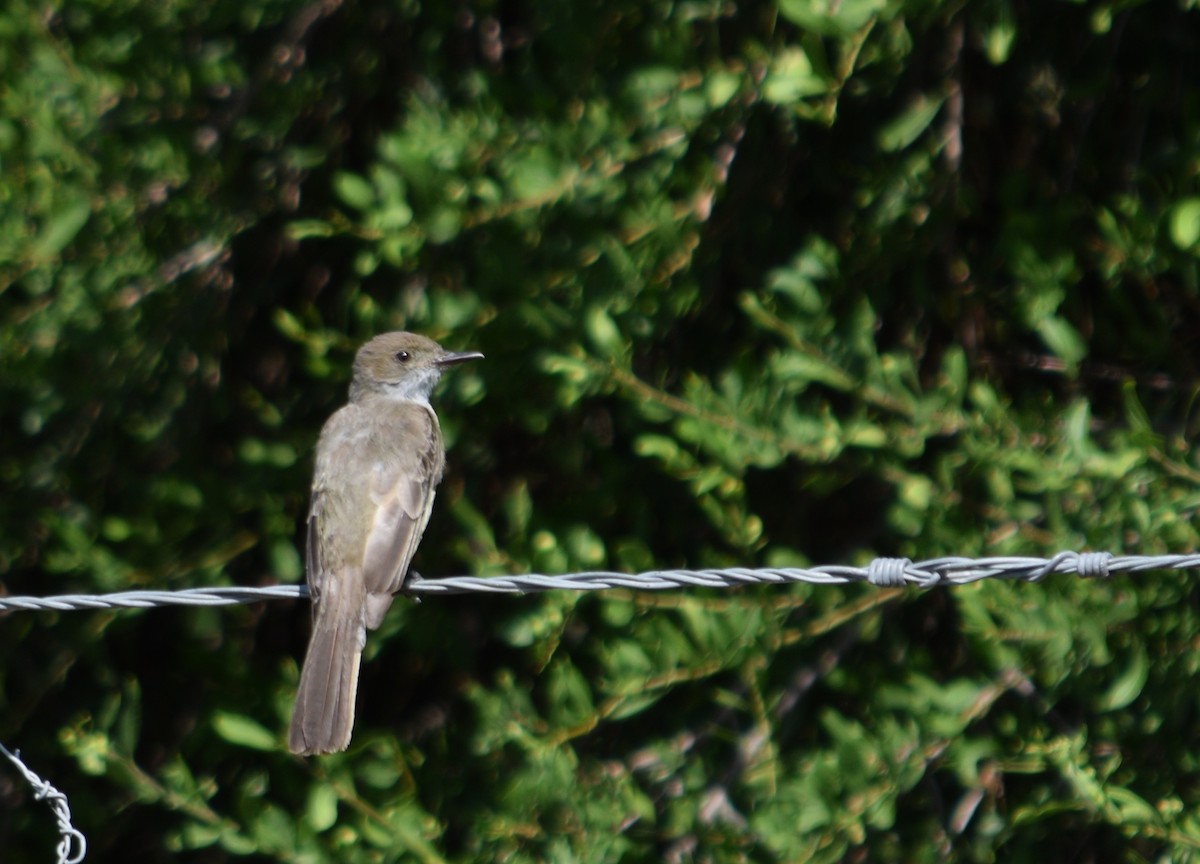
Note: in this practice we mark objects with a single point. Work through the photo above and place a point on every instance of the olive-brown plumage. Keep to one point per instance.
(379, 460)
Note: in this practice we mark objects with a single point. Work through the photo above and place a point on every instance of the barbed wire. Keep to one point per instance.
(72, 845)
(882, 572)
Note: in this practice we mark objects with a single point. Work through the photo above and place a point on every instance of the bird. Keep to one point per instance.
(379, 459)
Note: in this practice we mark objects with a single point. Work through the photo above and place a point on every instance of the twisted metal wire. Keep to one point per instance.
(72, 845)
(882, 572)
(227, 596)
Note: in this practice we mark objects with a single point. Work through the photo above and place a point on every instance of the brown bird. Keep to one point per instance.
(379, 459)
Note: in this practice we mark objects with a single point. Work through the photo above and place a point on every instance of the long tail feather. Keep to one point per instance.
(324, 713)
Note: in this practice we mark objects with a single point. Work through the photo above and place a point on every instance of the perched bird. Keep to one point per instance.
(379, 459)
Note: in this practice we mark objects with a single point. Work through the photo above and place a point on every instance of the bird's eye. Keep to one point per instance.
(403, 356)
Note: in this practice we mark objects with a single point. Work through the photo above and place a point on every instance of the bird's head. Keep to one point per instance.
(402, 366)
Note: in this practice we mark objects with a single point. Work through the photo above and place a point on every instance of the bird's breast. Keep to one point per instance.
(365, 449)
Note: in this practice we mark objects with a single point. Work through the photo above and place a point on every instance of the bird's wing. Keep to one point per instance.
(326, 552)
(401, 501)
(403, 496)
(314, 566)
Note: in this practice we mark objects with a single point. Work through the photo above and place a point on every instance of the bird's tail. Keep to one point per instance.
(324, 713)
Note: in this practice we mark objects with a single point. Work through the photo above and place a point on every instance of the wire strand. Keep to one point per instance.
(882, 572)
(72, 845)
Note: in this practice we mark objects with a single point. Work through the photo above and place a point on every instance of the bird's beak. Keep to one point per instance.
(453, 358)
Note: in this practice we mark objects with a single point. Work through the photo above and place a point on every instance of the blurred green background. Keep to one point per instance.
(759, 283)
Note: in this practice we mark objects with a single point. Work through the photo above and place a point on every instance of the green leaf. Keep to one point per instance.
(61, 228)
(633, 704)
(1133, 809)
(1063, 339)
(534, 174)
(354, 190)
(288, 324)
(721, 87)
(906, 128)
(1184, 223)
(830, 17)
(322, 808)
(1000, 36)
(1136, 417)
(391, 217)
(603, 332)
(241, 730)
(791, 78)
(1128, 686)
(302, 229)
(570, 697)
(794, 366)
(285, 560)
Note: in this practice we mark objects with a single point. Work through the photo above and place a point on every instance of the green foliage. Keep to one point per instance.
(758, 284)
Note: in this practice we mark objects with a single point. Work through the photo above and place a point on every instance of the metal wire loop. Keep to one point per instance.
(888, 572)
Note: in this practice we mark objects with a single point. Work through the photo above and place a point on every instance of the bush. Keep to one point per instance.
(759, 284)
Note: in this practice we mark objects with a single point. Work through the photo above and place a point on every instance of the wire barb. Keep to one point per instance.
(882, 572)
(73, 845)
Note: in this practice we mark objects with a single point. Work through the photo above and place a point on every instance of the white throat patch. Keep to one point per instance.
(414, 387)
